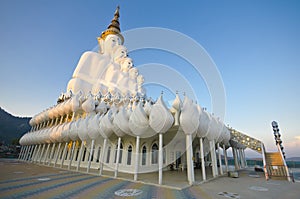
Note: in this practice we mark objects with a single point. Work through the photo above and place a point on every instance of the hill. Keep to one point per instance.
(12, 127)
(295, 159)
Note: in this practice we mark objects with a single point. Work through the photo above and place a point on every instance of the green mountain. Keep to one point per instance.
(11, 127)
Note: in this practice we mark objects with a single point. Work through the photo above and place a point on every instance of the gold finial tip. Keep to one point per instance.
(113, 27)
(117, 10)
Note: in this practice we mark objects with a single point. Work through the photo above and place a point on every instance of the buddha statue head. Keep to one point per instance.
(133, 73)
(111, 36)
(107, 44)
(119, 52)
(126, 64)
(140, 80)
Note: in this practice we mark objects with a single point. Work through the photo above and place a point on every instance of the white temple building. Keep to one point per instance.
(105, 122)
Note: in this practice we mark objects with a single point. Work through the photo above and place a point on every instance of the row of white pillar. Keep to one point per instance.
(43, 154)
(239, 158)
(37, 153)
(213, 157)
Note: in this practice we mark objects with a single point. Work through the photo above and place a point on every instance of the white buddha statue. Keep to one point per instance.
(123, 77)
(126, 64)
(140, 81)
(108, 70)
(132, 82)
(114, 69)
(92, 66)
(118, 54)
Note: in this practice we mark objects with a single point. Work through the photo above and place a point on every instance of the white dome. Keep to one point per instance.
(160, 119)
(189, 117)
(139, 123)
(204, 122)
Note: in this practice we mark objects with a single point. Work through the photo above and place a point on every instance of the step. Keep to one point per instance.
(274, 158)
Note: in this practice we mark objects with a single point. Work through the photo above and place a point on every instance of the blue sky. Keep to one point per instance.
(254, 44)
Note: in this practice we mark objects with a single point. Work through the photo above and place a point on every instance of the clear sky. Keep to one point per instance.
(255, 45)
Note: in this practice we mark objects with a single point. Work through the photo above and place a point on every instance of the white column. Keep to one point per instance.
(51, 154)
(238, 158)
(46, 154)
(98, 153)
(53, 122)
(28, 153)
(212, 159)
(72, 155)
(61, 119)
(215, 158)
(69, 151)
(118, 156)
(244, 154)
(238, 152)
(37, 153)
(242, 158)
(25, 152)
(91, 155)
(31, 153)
(34, 153)
(236, 164)
(57, 154)
(79, 156)
(41, 155)
(21, 152)
(103, 150)
(87, 155)
(220, 159)
(202, 159)
(225, 157)
(160, 158)
(64, 155)
(189, 159)
(137, 159)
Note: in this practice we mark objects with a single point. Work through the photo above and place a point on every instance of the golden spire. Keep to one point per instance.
(115, 21)
(113, 27)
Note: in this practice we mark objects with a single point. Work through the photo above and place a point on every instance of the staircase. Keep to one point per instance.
(275, 166)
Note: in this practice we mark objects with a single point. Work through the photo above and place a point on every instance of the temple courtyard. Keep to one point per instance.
(25, 180)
